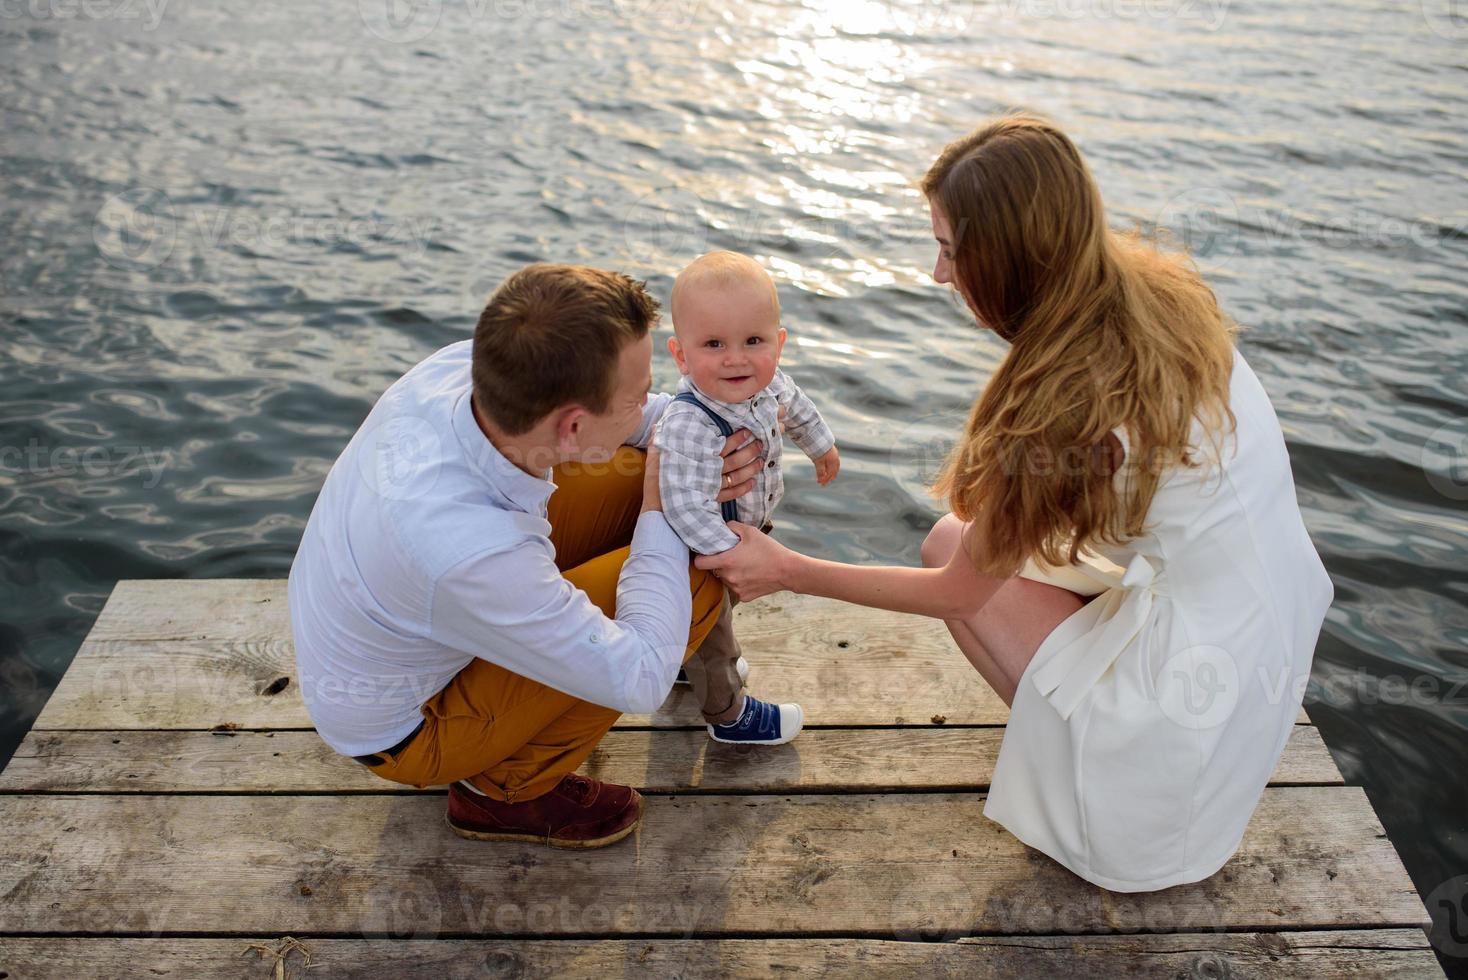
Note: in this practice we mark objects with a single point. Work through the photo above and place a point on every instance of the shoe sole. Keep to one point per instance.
(799, 727)
(579, 845)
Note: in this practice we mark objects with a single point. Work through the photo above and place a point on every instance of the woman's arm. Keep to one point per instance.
(759, 565)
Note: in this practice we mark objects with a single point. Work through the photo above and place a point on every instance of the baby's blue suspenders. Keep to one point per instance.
(728, 509)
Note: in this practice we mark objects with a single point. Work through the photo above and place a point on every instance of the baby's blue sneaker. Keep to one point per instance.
(740, 665)
(761, 723)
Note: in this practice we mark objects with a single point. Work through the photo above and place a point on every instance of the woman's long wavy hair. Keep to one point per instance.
(1106, 329)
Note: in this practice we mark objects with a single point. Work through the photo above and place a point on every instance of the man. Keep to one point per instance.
(454, 621)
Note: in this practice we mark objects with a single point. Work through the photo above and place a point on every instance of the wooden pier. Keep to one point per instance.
(172, 814)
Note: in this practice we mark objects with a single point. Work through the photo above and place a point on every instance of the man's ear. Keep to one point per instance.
(568, 424)
(676, 349)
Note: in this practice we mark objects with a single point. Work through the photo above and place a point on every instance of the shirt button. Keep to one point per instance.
(772, 496)
(771, 465)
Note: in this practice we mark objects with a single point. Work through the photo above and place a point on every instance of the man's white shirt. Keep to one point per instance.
(426, 548)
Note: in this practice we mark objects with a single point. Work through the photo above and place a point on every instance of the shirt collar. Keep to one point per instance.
(523, 491)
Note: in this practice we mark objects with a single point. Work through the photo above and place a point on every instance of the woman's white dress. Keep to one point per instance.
(1145, 728)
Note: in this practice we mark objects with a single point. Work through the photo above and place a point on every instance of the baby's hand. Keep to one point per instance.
(828, 466)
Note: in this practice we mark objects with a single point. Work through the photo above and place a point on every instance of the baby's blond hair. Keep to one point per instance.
(721, 270)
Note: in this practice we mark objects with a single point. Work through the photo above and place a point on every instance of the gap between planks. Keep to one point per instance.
(1335, 955)
(819, 761)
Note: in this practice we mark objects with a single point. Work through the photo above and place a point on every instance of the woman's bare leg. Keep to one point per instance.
(1002, 637)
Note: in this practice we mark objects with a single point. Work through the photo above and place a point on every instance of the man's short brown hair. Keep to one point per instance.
(549, 336)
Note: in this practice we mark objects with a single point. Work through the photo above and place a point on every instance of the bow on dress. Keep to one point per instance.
(1126, 605)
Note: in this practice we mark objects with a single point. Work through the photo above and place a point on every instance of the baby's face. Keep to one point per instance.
(728, 339)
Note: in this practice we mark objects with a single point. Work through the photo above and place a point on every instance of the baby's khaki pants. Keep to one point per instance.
(712, 669)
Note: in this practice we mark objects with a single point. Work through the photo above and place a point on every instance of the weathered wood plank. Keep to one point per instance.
(1397, 954)
(197, 654)
(1314, 857)
(820, 760)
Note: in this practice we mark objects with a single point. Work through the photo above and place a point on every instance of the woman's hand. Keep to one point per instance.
(743, 456)
(756, 566)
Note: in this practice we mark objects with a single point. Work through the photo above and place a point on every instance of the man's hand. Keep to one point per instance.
(652, 495)
(743, 456)
(828, 466)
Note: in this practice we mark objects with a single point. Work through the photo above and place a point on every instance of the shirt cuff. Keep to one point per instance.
(654, 534)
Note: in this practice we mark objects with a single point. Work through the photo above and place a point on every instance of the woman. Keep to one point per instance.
(1125, 561)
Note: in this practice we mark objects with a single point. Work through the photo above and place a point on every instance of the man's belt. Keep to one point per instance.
(378, 758)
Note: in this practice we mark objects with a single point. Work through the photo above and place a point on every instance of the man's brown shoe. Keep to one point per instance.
(579, 812)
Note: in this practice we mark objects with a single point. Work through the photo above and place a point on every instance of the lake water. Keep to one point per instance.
(228, 227)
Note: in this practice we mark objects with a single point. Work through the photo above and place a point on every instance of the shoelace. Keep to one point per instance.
(578, 787)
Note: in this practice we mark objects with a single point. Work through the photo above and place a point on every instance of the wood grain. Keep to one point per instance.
(897, 865)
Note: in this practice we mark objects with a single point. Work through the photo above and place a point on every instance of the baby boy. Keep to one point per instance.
(727, 342)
